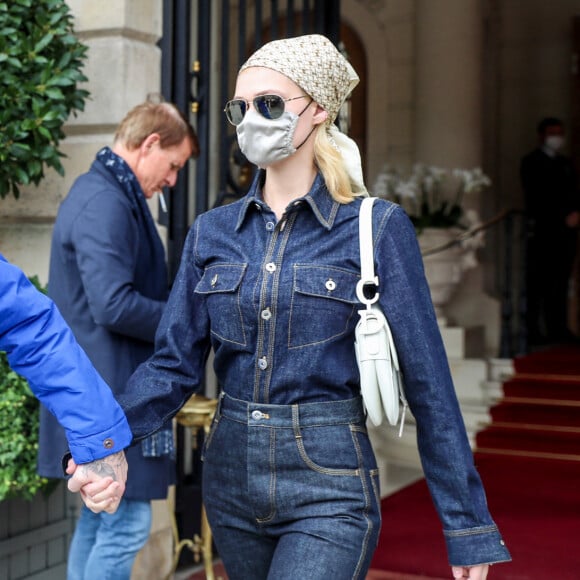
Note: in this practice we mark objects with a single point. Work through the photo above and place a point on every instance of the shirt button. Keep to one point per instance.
(266, 314)
(263, 363)
(257, 415)
(330, 284)
(270, 226)
(108, 443)
(270, 267)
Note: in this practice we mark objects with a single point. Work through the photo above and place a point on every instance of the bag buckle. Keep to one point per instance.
(367, 291)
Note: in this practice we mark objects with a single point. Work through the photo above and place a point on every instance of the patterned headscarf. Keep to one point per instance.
(316, 66)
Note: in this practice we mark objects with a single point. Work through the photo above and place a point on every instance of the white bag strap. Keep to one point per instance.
(367, 269)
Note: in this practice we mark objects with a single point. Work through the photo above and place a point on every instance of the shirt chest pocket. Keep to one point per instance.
(323, 304)
(221, 285)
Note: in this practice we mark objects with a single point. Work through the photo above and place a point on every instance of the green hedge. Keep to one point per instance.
(41, 63)
(19, 420)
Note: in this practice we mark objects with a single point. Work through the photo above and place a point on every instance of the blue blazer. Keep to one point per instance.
(109, 279)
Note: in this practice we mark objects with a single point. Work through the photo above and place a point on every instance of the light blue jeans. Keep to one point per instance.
(104, 545)
(292, 491)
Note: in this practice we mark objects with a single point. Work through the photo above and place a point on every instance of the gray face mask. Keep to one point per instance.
(266, 141)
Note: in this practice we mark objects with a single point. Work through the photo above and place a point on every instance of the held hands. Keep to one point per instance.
(473, 572)
(101, 483)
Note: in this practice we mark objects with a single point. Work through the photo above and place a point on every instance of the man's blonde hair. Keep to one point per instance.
(165, 119)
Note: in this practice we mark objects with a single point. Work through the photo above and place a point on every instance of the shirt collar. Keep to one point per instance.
(318, 198)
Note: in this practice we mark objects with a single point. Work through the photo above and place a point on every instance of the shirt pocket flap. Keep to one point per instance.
(221, 278)
(326, 282)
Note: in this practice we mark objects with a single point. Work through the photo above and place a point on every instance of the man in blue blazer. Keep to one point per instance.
(109, 279)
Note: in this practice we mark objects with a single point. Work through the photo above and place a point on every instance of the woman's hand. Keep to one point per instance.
(472, 572)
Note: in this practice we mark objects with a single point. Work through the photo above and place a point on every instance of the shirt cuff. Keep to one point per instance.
(473, 546)
(93, 447)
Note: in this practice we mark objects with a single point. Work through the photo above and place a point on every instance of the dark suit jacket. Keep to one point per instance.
(108, 278)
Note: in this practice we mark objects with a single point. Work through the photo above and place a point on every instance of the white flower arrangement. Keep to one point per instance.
(429, 198)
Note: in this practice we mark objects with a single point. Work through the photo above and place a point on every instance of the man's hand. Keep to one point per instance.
(473, 572)
(101, 483)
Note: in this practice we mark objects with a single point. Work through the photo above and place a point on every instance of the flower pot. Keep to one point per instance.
(444, 269)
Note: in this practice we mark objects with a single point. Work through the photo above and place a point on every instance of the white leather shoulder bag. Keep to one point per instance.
(381, 380)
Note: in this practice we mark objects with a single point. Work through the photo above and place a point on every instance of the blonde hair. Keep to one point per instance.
(329, 161)
(164, 119)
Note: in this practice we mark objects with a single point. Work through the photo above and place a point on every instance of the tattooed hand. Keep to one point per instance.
(101, 483)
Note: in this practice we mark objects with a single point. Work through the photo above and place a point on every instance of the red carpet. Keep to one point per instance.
(539, 415)
(529, 461)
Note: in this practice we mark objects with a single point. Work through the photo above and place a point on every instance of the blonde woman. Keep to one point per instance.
(290, 481)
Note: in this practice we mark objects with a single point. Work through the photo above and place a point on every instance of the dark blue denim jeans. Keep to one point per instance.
(292, 491)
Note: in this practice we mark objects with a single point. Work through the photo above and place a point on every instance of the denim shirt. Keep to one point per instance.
(276, 300)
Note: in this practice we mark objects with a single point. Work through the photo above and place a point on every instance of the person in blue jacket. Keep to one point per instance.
(42, 348)
(109, 279)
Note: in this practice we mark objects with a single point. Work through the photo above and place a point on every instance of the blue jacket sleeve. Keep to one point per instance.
(41, 347)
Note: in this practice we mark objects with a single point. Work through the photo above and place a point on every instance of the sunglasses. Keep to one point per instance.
(269, 106)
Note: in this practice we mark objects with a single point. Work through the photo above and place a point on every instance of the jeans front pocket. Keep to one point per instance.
(329, 449)
(209, 437)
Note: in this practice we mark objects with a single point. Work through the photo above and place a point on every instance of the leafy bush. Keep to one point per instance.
(41, 62)
(19, 420)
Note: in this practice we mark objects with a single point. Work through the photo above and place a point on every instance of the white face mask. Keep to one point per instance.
(554, 142)
(266, 141)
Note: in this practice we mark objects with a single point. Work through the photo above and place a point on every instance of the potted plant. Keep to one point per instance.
(432, 197)
(448, 233)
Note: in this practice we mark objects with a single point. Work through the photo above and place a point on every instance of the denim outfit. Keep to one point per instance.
(277, 302)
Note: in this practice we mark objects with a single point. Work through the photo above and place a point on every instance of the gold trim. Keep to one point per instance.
(535, 427)
(535, 454)
(545, 377)
(540, 401)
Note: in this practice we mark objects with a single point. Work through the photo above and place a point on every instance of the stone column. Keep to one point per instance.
(448, 129)
(449, 123)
